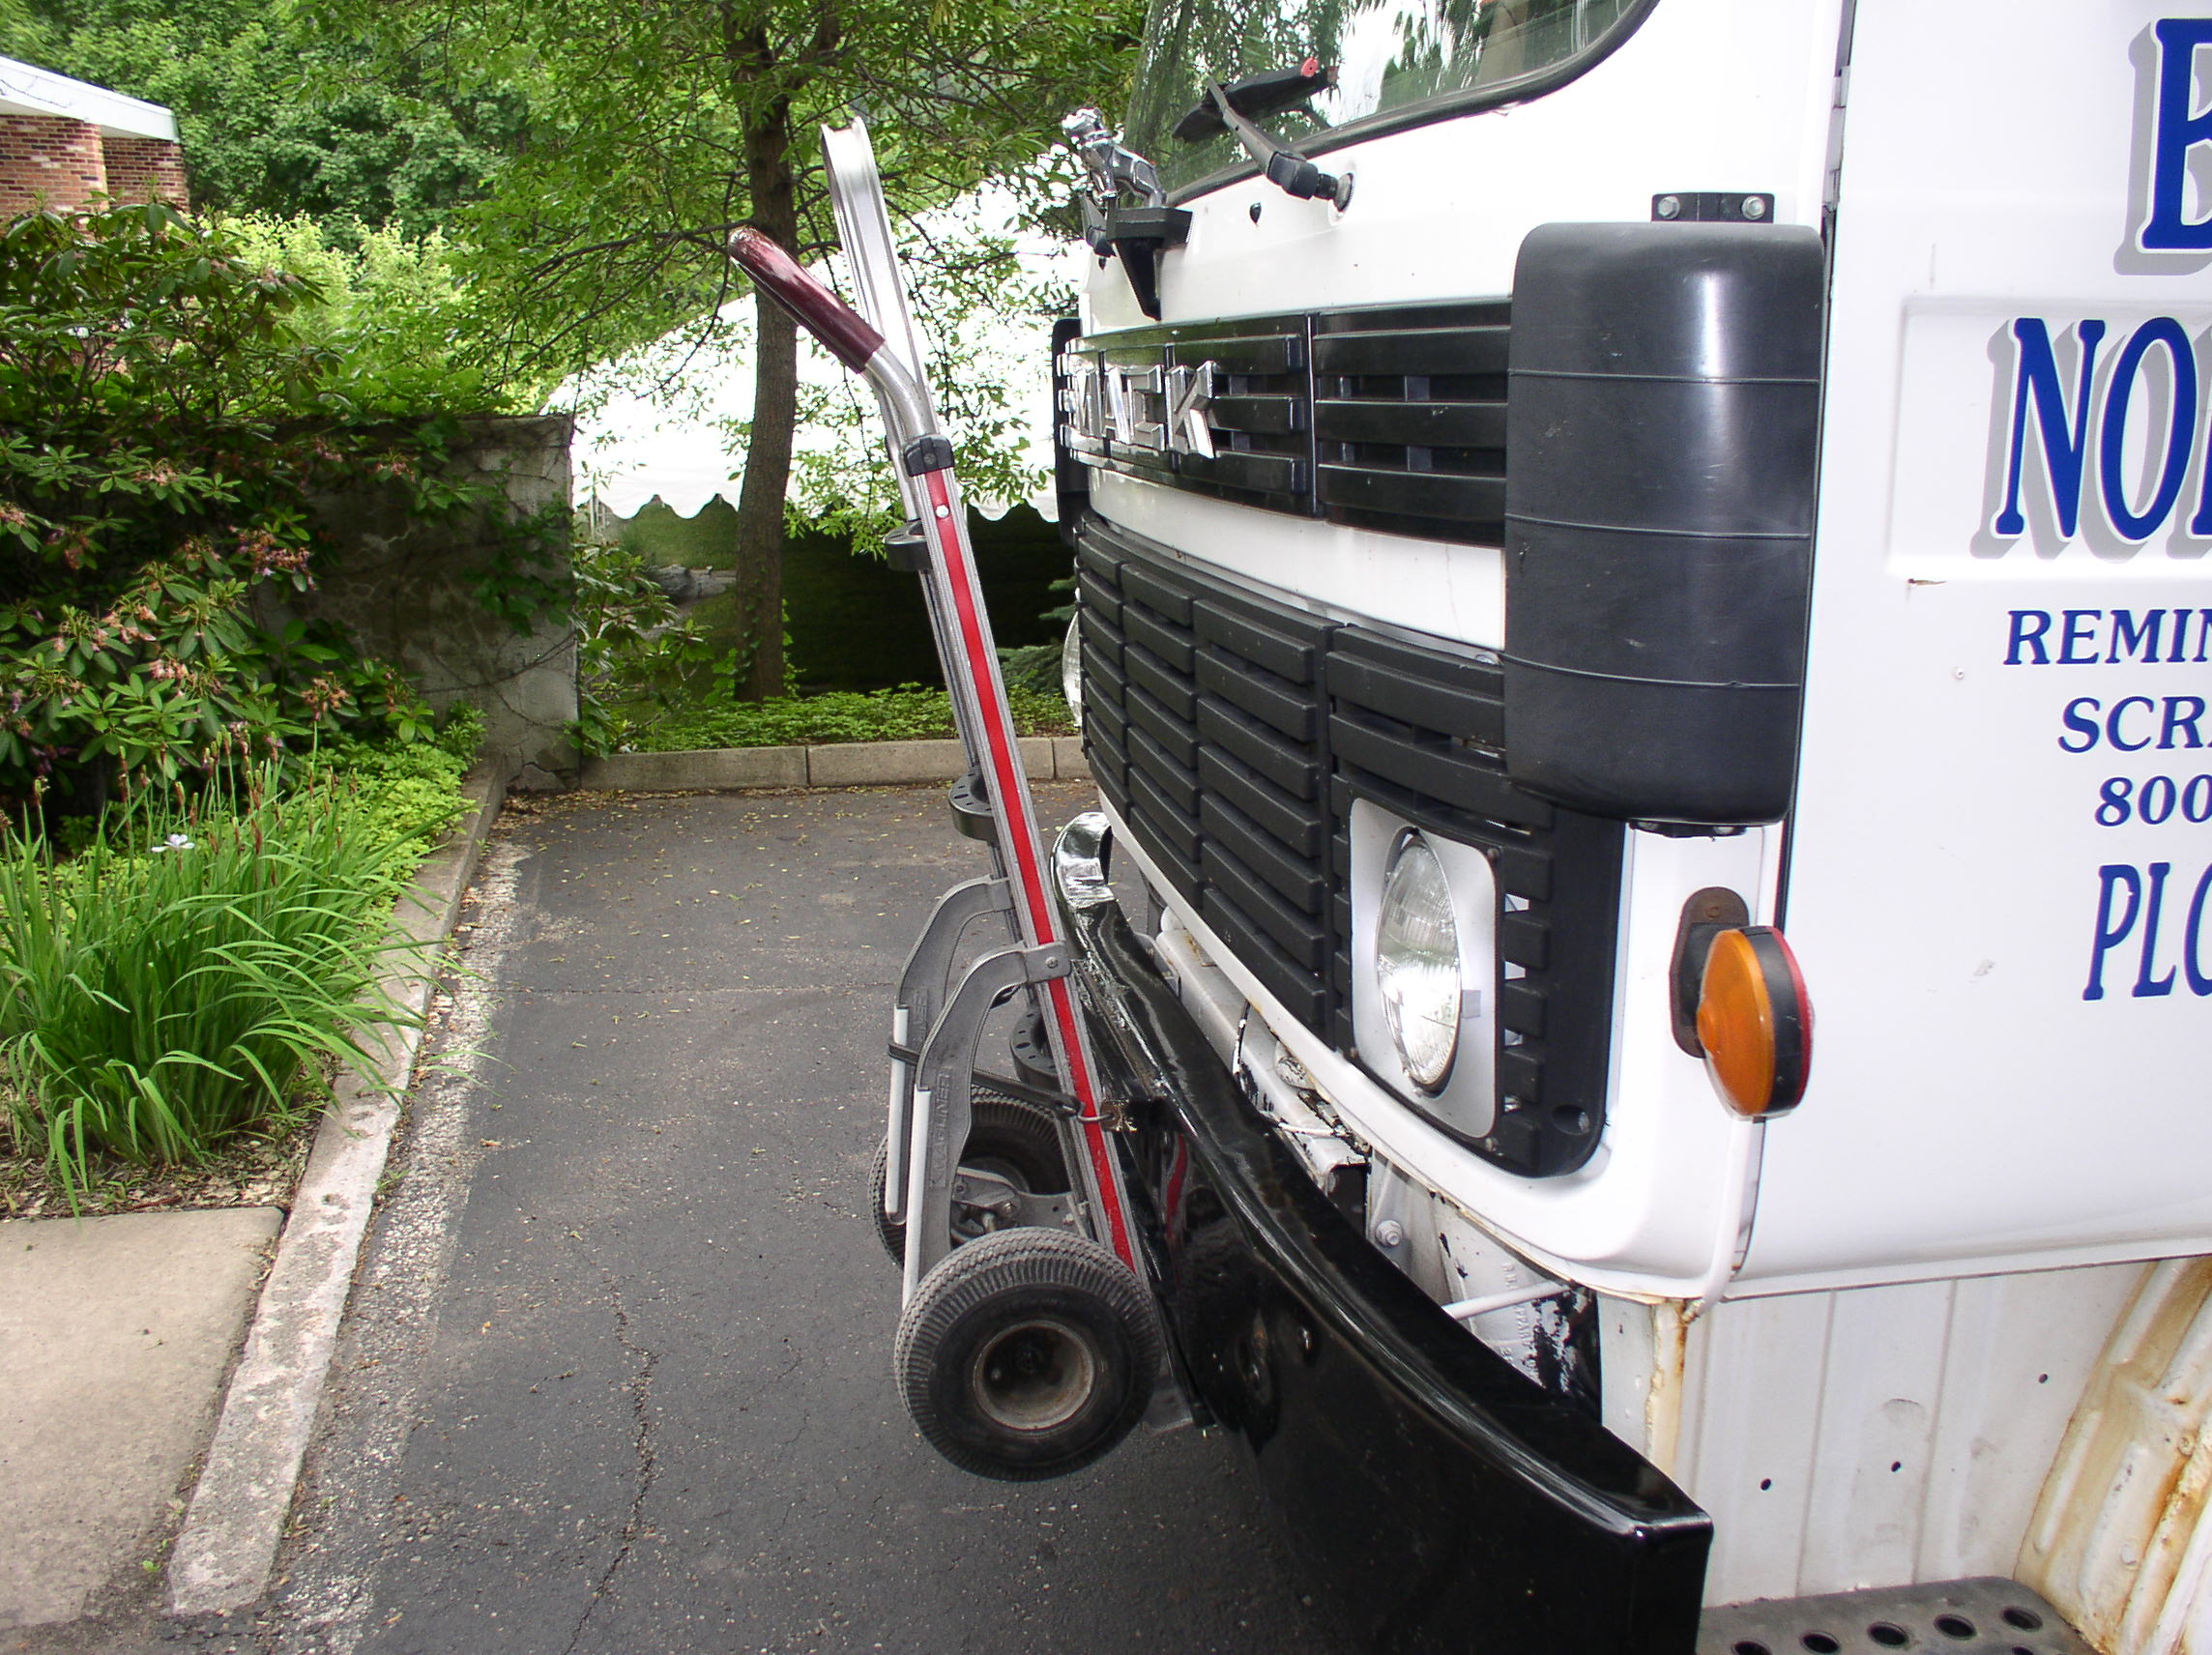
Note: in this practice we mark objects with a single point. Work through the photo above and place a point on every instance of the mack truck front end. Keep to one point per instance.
(1603, 526)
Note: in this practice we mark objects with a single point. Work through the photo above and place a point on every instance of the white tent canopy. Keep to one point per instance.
(661, 425)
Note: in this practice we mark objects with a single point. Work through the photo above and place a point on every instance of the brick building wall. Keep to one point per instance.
(48, 161)
(146, 170)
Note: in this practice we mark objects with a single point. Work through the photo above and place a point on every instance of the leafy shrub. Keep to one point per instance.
(164, 425)
(395, 309)
(1036, 667)
(407, 791)
(633, 645)
(279, 108)
(157, 1003)
(910, 712)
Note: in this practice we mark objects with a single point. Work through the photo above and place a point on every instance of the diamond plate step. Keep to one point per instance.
(1987, 1616)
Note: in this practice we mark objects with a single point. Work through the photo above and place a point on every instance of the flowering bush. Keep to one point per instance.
(165, 423)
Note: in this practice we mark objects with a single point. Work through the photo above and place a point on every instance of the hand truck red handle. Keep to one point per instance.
(814, 306)
(971, 673)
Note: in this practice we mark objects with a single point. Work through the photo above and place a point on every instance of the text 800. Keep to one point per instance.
(2158, 799)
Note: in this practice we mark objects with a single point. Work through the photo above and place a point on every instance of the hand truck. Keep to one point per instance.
(1029, 1342)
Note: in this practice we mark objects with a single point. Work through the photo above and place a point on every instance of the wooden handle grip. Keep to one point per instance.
(812, 306)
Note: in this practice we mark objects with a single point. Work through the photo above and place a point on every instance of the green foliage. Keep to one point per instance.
(25, 33)
(408, 792)
(156, 1005)
(633, 648)
(675, 124)
(163, 430)
(276, 119)
(910, 712)
(971, 295)
(1036, 668)
(395, 309)
(1032, 667)
(588, 158)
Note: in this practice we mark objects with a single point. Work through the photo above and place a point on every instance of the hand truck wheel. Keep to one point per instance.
(1027, 1355)
(1017, 1140)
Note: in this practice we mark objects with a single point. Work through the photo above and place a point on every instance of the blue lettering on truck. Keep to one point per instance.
(2133, 905)
(2178, 128)
(2138, 723)
(2057, 430)
(2106, 637)
(2079, 389)
(2141, 912)
(2080, 386)
(2166, 723)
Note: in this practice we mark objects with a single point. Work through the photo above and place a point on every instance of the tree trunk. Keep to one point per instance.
(776, 411)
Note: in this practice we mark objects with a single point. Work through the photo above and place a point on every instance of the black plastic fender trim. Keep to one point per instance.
(1444, 1501)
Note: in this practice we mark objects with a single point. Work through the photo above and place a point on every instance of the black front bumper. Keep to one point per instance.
(1444, 1500)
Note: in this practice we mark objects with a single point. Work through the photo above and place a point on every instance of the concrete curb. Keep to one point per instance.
(225, 1553)
(853, 764)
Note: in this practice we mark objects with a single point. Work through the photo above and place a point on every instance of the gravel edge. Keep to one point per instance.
(235, 1521)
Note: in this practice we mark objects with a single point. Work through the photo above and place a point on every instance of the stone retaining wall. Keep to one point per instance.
(407, 591)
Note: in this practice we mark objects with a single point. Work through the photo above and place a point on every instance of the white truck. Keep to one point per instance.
(1604, 525)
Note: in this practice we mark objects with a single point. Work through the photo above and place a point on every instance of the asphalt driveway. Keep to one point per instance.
(617, 1374)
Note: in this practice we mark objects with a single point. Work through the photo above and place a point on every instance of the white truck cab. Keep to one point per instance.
(1644, 632)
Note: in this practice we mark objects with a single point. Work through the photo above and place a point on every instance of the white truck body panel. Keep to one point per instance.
(1934, 1137)
(1970, 1106)
(1878, 1314)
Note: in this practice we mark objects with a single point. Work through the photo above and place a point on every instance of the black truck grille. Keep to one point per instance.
(1409, 419)
(1390, 419)
(1423, 733)
(1208, 739)
(1232, 734)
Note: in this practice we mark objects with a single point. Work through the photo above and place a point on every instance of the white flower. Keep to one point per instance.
(176, 842)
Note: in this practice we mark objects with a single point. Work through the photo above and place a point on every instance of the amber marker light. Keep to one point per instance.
(1754, 1022)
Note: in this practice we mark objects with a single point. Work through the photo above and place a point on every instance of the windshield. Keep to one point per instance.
(1390, 54)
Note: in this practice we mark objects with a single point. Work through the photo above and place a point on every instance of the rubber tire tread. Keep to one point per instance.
(1039, 1270)
(993, 1112)
(891, 1234)
(988, 1111)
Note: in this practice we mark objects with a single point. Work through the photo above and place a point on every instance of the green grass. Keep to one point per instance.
(189, 977)
(907, 713)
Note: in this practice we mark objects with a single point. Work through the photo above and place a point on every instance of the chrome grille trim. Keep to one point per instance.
(1392, 419)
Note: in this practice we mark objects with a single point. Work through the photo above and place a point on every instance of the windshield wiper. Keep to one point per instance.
(1287, 170)
(1253, 96)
